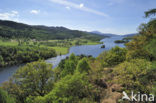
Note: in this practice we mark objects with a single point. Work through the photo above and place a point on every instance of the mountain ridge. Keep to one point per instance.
(105, 34)
(12, 29)
(110, 34)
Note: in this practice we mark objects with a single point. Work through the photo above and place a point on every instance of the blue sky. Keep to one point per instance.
(107, 16)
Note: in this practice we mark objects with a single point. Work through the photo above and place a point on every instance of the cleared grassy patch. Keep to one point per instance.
(8, 43)
(61, 50)
(61, 46)
(92, 43)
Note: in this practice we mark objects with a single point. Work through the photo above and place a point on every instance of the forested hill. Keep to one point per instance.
(11, 29)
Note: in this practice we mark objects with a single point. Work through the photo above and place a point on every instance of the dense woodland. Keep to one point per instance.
(12, 55)
(81, 79)
(10, 29)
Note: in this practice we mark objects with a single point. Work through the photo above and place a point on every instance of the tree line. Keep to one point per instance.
(11, 55)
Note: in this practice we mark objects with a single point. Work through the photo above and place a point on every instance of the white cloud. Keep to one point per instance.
(13, 15)
(79, 6)
(35, 11)
(67, 7)
(15, 12)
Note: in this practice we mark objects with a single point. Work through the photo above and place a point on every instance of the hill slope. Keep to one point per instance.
(130, 35)
(11, 29)
(104, 34)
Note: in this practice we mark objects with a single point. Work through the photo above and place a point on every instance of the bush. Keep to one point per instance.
(69, 89)
(150, 47)
(133, 75)
(5, 98)
(68, 66)
(83, 66)
(113, 57)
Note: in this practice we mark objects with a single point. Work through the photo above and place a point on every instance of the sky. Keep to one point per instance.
(107, 16)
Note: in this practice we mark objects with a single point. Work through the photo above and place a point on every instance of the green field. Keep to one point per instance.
(61, 46)
(61, 50)
(8, 43)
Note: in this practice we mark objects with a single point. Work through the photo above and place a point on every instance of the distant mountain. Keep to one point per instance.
(11, 29)
(130, 35)
(110, 35)
(104, 34)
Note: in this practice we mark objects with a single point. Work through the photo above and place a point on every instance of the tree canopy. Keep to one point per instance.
(5, 98)
(34, 79)
(150, 12)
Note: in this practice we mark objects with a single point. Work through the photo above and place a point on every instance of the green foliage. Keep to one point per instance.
(152, 77)
(151, 31)
(132, 75)
(146, 31)
(113, 57)
(72, 57)
(120, 41)
(11, 55)
(5, 98)
(10, 29)
(150, 47)
(77, 42)
(34, 79)
(1, 61)
(69, 89)
(68, 66)
(83, 66)
(124, 40)
(140, 45)
(150, 12)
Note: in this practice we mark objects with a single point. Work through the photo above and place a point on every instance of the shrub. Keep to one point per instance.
(133, 74)
(69, 89)
(83, 66)
(113, 57)
(5, 98)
